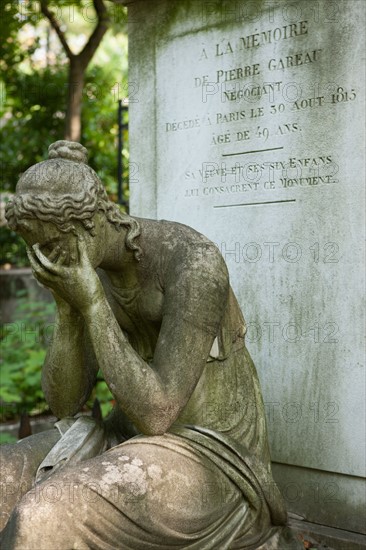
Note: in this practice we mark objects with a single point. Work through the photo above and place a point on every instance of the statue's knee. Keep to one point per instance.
(13, 485)
(26, 524)
(35, 509)
(23, 516)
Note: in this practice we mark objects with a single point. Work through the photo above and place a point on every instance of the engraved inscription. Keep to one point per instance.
(252, 95)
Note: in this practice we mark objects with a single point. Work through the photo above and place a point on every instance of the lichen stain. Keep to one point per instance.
(155, 472)
(124, 458)
(126, 474)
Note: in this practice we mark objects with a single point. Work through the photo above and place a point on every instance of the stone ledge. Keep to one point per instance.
(327, 538)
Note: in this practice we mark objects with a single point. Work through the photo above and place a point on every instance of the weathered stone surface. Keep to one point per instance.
(248, 123)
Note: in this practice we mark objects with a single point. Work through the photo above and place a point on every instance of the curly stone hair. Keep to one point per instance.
(63, 189)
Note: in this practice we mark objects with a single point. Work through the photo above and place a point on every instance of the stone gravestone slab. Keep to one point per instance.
(247, 123)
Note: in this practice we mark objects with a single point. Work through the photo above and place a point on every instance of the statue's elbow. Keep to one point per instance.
(59, 402)
(60, 406)
(63, 410)
(153, 431)
(155, 424)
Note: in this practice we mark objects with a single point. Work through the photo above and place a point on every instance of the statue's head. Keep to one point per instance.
(66, 193)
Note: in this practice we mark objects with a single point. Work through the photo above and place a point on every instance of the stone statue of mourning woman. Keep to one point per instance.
(182, 461)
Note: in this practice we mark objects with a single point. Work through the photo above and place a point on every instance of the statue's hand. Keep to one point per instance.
(77, 283)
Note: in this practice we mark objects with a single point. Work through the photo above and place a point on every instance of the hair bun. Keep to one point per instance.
(70, 150)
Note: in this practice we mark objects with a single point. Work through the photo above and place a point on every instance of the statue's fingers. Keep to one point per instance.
(54, 254)
(37, 269)
(29, 252)
(73, 253)
(44, 261)
(62, 257)
(81, 248)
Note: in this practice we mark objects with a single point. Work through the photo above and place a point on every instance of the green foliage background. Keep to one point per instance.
(33, 100)
(32, 111)
(24, 344)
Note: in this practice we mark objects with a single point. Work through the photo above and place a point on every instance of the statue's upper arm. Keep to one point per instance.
(195, 298)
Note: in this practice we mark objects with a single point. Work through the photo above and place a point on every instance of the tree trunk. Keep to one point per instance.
(74, 100)
(78, 65)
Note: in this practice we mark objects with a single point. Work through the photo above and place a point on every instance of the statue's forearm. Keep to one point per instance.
(67, 378)
(135, 385)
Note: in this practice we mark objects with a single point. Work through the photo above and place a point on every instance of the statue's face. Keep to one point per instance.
(48, 236)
